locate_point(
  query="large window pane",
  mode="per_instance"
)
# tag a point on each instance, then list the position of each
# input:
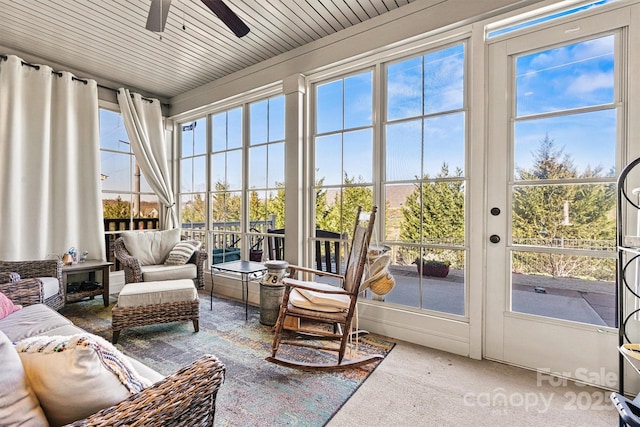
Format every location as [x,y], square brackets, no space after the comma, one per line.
[259,122]
[404,89]
[329,159]
[275,165]
[444,138]
[588,140]
[257,168]
[404,150]
[116,170]
[329,109]
[572,76]
[573,216]
[358,146]
[444,80]
[577,288]
[358,99]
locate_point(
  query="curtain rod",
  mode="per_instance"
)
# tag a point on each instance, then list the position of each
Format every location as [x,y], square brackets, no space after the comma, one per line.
[77,79]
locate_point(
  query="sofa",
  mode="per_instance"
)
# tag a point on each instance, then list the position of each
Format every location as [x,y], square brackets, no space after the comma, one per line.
[186,397]
[153,256]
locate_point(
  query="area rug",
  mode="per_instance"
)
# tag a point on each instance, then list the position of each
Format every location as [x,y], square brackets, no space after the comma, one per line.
[255,392]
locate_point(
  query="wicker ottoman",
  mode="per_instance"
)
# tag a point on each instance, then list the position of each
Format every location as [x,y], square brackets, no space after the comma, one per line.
[148,303]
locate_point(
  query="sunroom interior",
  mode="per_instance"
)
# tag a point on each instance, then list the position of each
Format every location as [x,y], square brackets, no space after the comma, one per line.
[490,135]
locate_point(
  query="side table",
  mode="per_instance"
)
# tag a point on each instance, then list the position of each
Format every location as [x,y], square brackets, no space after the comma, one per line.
[90,266]
[247,269]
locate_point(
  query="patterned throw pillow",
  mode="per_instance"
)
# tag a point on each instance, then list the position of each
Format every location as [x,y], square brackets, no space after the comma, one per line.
[182,252]
[76,376]
[7,306]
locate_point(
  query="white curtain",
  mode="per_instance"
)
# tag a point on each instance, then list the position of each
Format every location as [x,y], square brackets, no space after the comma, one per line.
[49,163]
[143,121]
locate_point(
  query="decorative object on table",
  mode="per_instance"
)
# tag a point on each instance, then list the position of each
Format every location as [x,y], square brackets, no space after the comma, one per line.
[70,257]
[271,291]
[84,256]
[432,267]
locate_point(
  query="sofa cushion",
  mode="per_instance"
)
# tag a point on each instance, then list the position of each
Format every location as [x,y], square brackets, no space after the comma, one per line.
[148,293]
[37,319]
[50,286]
[182,252]
[150,247]
[76,376]
[18,402]
[7,306]
[156,273]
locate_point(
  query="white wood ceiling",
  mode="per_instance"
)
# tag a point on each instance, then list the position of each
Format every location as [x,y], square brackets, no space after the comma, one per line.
[107,39]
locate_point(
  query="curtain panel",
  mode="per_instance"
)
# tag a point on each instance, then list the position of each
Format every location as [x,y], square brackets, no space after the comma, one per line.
[49,163]
[143,121]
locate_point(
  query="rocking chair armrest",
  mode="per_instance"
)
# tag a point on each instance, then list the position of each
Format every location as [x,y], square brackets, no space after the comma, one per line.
[186,397]
[295,268]
[291,284]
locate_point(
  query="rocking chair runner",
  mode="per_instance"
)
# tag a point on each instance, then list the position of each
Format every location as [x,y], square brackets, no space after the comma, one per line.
[326,304]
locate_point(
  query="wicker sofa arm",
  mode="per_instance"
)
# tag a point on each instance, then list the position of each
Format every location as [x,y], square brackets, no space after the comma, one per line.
[35,268]
[24,292]
[9,277]
[185,398]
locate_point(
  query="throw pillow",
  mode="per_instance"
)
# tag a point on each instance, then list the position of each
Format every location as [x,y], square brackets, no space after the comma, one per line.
[18,402]
[76,376]
[7,306]
[182,252]
[150,247]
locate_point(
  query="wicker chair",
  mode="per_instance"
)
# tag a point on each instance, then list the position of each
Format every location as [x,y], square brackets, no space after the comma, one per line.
[185,398]
[133,271]
[14,271]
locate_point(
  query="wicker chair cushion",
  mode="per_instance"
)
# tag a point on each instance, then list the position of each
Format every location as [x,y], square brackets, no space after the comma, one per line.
[76,376]
[18,402]
[182,252]
[148,293]
[157,273]
[7,306]
[50,286]
[150,247]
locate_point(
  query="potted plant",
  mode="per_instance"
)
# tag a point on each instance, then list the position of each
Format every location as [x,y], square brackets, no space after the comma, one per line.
[431,267]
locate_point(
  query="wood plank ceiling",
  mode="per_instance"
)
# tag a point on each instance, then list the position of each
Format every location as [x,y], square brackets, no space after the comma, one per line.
[107,40]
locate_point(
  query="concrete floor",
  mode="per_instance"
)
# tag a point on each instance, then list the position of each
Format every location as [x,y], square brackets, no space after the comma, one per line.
[418,386]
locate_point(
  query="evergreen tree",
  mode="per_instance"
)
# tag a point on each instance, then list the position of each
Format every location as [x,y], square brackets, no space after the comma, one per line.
[561,215]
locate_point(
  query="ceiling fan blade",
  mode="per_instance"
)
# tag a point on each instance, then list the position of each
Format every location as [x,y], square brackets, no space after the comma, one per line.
[157,17]
[227,16]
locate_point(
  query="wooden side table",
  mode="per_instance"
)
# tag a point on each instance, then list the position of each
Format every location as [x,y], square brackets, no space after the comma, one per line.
[90,266]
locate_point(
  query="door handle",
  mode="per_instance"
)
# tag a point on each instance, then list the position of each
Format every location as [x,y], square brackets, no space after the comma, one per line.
[494,238]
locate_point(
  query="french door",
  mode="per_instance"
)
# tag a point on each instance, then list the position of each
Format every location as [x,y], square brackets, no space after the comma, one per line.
[556,114]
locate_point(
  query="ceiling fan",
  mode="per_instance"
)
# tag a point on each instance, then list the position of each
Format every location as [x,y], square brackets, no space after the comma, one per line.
[160,9]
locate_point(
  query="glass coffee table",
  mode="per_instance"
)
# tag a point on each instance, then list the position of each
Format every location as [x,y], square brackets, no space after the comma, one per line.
[248,270]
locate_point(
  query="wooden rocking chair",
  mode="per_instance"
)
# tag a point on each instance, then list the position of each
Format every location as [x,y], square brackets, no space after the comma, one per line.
[325,304]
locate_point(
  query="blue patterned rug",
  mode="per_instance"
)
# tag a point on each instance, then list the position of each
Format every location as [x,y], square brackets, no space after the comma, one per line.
[255,392]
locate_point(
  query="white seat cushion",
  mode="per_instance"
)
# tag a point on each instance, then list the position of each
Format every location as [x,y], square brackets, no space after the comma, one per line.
[51,286]
[147,293]
[318,301]
[156,273]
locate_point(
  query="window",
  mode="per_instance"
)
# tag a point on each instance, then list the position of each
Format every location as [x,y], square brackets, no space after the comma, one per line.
[343,147]
[424,181]
[193,178]
[421,168]
[239,210]
[127,200]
